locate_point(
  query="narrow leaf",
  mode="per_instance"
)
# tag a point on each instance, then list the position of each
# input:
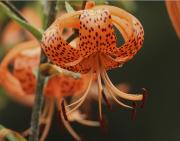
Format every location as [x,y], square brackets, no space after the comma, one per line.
[11,135]
[37,33]
[69,8]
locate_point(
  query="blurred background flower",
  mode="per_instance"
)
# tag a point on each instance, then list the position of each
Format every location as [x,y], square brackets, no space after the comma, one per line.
[173,8]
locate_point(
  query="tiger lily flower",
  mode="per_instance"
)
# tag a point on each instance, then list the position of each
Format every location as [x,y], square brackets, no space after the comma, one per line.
[96,49]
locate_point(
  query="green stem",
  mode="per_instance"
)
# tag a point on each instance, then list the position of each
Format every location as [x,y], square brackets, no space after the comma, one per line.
[34,135]
[13,8]
[51,15]
[14,14]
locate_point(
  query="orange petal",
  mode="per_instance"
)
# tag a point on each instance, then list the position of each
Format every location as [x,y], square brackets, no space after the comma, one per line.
[96,32]
[132,30]
[61,85]
[16,88]
[53,44]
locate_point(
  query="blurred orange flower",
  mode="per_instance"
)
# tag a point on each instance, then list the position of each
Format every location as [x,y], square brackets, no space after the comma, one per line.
[18,89]
[173,8]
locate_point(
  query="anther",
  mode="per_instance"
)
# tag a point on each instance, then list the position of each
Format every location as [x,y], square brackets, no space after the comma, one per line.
[145,94]
[106,100]
[64,110]
[103,125]
[42,126]
[134,111]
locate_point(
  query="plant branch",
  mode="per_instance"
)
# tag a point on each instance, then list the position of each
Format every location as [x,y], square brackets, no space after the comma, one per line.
[13,9]
[34,135]
[14,14]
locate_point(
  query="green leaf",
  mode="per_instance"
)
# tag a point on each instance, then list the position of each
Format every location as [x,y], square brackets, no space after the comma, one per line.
[19,137]
[12,136]
[37,33]
[3,99]
[69,8]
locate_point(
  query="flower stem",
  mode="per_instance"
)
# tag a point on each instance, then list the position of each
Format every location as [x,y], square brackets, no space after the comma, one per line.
[14,9]
[34,135]
[14,14]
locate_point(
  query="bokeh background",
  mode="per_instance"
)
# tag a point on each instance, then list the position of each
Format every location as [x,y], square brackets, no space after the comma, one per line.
[156,67]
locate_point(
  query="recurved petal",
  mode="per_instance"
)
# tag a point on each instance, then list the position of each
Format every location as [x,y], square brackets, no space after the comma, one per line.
[110,63]
[133,44]
[96,32]
[131,30]
[55,46]
[27,80]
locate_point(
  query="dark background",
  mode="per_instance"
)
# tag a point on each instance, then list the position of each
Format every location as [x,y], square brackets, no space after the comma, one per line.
[156,67]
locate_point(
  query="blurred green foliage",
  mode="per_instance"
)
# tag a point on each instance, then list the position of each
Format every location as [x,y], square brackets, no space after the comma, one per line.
[69,8]
[12,136]
[3,98]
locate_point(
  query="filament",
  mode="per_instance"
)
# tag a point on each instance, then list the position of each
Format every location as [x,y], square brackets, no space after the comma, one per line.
[70,129]
[63,110]
[118,101]
[119,93]
[68,126]
[81,100]
[88,122]
[48,119]
[99,94]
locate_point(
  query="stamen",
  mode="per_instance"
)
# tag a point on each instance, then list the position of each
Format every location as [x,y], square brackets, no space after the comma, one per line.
[82,99]
[115,99]
[63,110]
[45,108]
[70,129]
[106,100]
[134,112]
[45,119]
[103,125]
[48,119]
[145,95]
[42,127]
[79,100]
[88,122]
[99,91]
[119,93]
